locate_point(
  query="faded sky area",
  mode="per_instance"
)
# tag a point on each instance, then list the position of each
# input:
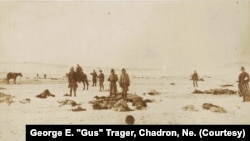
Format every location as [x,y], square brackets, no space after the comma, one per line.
[126,34]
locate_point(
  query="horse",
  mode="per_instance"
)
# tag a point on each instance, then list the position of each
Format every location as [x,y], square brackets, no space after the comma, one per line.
[13,75]
[83,78]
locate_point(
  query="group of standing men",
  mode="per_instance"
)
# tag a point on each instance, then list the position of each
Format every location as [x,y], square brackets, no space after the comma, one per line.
[101,77]
[78,75]
[124,83]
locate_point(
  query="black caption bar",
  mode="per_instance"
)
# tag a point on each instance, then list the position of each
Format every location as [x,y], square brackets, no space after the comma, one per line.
[132,132]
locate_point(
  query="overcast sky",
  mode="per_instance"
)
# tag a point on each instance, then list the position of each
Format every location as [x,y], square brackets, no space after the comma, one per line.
[126,34]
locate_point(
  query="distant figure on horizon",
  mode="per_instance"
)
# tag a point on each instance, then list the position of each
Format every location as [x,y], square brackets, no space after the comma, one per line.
[195,78]
[94,78]
[243,85]
[101,80]
[113,78]
[45,76]
[37,76]
[124,83]
[72,79]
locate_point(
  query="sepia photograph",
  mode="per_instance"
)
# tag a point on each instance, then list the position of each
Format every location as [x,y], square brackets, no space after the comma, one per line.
[167,62]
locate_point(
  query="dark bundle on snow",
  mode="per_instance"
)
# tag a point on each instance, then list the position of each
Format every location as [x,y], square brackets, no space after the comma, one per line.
[73,104]
[213,108]
[67,102]
[153,92]
[66,94]
[189,108]
[121,106]
[78,109]
[215,91]
[6,98]
[139,103]
[46,93]
[24,101]
[227,85]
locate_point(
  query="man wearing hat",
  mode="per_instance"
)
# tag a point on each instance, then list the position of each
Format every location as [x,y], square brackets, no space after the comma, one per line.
[72,79]
[124,83]
[94,78]
[195,78]
[243,85]
[101,80]
[113,79]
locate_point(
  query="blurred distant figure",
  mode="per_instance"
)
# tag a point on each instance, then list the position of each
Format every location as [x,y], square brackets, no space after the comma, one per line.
[101,80]
[124,83]
[113,78]
[45,76]
[94,78]
[243,85]
[37,76]
[78,71]
[72,79]
[195,78]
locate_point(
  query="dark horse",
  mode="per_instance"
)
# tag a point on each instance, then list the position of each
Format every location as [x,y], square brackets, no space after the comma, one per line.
[13,75]
[82,77]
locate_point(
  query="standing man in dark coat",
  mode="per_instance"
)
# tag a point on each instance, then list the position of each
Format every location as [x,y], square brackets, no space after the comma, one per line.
[195,78]
[113,78]
[124,83]
[101,80]
[94,78]
[243,85]
[72,79]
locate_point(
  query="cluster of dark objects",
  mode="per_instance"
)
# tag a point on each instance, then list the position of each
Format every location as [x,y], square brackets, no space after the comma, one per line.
[118,103]
[215,91]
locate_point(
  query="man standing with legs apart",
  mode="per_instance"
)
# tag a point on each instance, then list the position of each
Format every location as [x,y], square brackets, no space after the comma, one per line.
[195,78]
[113,79]
[124,83]
[72,79]
[101,80]
[94,78]
[243,85]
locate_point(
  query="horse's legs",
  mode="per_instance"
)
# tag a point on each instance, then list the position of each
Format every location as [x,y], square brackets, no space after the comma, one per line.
[83,85]
[102,86]
[74,92]
[74,89]
[70,91]
[87,84]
